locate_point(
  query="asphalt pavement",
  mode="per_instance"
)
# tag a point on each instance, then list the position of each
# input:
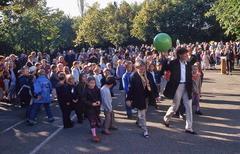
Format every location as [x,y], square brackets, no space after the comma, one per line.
[218,128]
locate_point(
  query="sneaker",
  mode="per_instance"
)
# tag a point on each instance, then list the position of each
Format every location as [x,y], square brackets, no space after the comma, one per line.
[181,116]
[190,132]
[145,134]
[165,123]
[106,132]
[96,139]
[32,122]
[134,111]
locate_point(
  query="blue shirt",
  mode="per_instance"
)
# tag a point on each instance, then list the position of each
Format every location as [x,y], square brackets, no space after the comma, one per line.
[125,81]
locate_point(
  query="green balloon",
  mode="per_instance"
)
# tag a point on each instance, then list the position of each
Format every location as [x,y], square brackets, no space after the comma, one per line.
[162,42]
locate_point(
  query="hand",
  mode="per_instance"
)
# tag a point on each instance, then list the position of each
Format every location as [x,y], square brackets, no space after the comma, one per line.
[96,104]
[75,100]
[68,103]
[129,103]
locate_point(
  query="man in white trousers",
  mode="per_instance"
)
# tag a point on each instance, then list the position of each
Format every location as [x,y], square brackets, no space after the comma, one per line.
[179,87]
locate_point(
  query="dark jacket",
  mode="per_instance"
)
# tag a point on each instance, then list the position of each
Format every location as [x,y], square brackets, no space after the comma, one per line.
[138,94]
[91,96]
[158,76]
[172,85]
[63,94]
[81,87]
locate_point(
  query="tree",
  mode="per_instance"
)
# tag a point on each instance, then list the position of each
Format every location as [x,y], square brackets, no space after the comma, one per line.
[227,14]
[36,28]
[66,31]
[90,28]
[118,22]
[182,19]
[146,24]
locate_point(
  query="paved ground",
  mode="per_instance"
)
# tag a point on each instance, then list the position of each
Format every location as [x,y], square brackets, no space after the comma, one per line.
[218,129]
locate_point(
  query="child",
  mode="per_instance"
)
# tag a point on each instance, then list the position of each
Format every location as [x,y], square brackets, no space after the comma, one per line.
[42,91]
[75,103]
[125,80]
[98,76]
[92,100]
[76,71]
[2,74]
[12,86]
[64,100]
[119,73]
[54,80]
[107,105]
[81,86]
[24,91]
[196,77]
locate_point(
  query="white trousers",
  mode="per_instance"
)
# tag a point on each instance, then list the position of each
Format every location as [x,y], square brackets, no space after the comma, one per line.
[181,93]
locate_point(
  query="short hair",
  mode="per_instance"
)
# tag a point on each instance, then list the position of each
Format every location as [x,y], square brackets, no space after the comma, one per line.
[110,80]
[127,63]
[61,76]
[53,67]
[24,68]
[181,51]
[106,69]
[75,63]
[139,62]
[91,78]
[2,57]
[41,72]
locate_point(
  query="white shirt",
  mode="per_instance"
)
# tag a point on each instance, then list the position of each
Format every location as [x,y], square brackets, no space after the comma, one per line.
[183,72]
[76,73]
[153,74]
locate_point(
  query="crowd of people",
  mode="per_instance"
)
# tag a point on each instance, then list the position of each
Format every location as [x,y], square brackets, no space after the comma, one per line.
[83,81]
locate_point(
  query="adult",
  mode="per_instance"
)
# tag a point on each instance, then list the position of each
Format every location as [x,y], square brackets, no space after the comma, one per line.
[179,87]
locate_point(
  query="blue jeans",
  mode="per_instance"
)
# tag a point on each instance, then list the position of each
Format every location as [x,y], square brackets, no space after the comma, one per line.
[35,108]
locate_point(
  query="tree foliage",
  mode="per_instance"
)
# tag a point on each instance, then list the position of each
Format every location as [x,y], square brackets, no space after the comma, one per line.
[183,19]
[27,25]
[227,13]
[91,27]
[35,28]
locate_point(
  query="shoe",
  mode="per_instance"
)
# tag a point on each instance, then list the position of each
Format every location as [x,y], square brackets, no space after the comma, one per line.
[145,134]
[181,116]
[166,124]
[134,111]
[113,128]
[198,113]
[106,132]
[96,139]
[32,122]
[69,126]
[190,132]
